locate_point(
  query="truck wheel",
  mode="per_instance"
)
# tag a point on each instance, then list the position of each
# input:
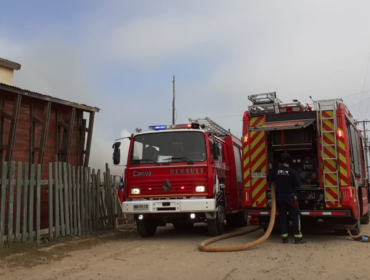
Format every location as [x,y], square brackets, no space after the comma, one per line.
[365,219]
[146,228]
[216,226]
[356,230]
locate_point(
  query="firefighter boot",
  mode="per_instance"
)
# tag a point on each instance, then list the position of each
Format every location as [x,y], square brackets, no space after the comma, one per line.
[285,240]
[299,241]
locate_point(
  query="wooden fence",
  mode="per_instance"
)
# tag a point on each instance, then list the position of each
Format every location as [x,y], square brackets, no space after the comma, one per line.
[72,201]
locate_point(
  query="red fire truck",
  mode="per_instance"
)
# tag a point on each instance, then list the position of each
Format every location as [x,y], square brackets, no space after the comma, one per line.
[328,153]
[183,174]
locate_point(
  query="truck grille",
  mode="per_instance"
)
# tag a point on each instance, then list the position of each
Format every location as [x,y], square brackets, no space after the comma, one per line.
[175,188]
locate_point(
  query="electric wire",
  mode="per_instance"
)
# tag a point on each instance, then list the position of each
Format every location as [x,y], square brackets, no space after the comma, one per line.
[363,87]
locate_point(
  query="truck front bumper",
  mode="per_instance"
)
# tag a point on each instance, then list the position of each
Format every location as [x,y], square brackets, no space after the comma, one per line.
[169,206]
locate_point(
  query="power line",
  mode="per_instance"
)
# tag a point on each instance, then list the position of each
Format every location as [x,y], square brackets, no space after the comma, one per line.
[355,93]
[358,103]
[363,86]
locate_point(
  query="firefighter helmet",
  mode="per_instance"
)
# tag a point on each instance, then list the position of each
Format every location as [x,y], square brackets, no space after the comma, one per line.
[285,158]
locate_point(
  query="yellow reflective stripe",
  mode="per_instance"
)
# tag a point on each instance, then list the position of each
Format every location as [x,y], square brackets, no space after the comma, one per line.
[257,152]
[329,149]
[330,136]
[257,139]
[341,145]
[246,149]
[328,123]
[246,173]
[330,162]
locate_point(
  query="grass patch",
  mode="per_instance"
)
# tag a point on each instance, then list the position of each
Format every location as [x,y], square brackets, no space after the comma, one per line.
[28,254]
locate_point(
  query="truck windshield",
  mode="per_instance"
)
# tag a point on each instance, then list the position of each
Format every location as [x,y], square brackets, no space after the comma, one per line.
[167,147]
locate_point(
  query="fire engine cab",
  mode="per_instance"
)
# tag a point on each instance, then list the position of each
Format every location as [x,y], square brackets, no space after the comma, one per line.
[328,153]
[183,174]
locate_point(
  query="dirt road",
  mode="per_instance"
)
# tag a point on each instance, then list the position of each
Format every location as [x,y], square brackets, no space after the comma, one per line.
[173,254]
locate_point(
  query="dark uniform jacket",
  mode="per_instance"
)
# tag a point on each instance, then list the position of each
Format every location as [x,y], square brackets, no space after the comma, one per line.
[285,178]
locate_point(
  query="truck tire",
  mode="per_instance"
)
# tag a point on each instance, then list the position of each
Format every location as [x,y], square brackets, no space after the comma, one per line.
[356,230]
[146,228]
[216,226]
[365,219]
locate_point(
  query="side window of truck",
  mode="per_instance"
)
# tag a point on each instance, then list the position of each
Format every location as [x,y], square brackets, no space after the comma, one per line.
[211,148]
[238,164]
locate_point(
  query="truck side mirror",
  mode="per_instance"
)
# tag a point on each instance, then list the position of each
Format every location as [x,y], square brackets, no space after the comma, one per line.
[116,153]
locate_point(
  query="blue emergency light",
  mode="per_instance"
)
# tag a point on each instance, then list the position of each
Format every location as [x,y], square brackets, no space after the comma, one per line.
[176,126]
[158,127]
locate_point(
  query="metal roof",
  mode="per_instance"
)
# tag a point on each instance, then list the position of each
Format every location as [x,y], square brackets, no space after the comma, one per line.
[47,98]
[9,64]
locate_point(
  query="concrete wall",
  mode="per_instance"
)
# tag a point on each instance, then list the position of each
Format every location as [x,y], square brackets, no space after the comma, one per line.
[6,76]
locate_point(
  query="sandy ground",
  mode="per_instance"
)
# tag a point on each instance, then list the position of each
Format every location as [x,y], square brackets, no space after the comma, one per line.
[173,254]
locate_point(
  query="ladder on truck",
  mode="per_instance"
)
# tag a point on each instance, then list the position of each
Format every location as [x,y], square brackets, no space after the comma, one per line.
[327,125]
[213,128]
[263,103]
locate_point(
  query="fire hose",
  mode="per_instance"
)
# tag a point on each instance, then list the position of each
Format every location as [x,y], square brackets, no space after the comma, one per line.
[203,246]
[363,238]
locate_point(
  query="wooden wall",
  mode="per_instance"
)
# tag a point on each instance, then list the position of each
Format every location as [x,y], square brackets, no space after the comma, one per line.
[38,131]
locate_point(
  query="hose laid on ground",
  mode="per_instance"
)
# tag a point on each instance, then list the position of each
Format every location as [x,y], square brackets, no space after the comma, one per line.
[203,246]
[363,238]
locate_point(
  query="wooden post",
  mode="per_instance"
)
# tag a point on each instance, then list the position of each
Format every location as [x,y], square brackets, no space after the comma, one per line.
[89,138]
[82,183]
[56,199]
[25,200]
[3,195]
[79,201]
[11,202]
[109,196]
[31,201]
[93,179]
[97,192]
[50,188]
[70,197]
[61,204]
[44,133]
[19,200]
[66,198]
[89,197]
[75,231]
[38,203]
[86,200]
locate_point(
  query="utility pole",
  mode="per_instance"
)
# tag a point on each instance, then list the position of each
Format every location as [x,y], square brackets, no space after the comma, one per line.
[173,101]
[364,131]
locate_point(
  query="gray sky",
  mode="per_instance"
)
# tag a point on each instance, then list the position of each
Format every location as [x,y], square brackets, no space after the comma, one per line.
[120,56]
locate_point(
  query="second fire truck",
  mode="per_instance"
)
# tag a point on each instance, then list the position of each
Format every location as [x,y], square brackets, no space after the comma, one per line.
[328,153]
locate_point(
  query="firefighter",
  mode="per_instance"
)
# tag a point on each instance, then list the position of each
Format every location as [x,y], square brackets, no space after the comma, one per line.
[287,180]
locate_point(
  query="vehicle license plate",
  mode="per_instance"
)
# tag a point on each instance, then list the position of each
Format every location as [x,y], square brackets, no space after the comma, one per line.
[138,207]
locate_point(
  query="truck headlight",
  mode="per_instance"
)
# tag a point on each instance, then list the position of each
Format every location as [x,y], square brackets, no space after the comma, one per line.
[200,189]
[135,191]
